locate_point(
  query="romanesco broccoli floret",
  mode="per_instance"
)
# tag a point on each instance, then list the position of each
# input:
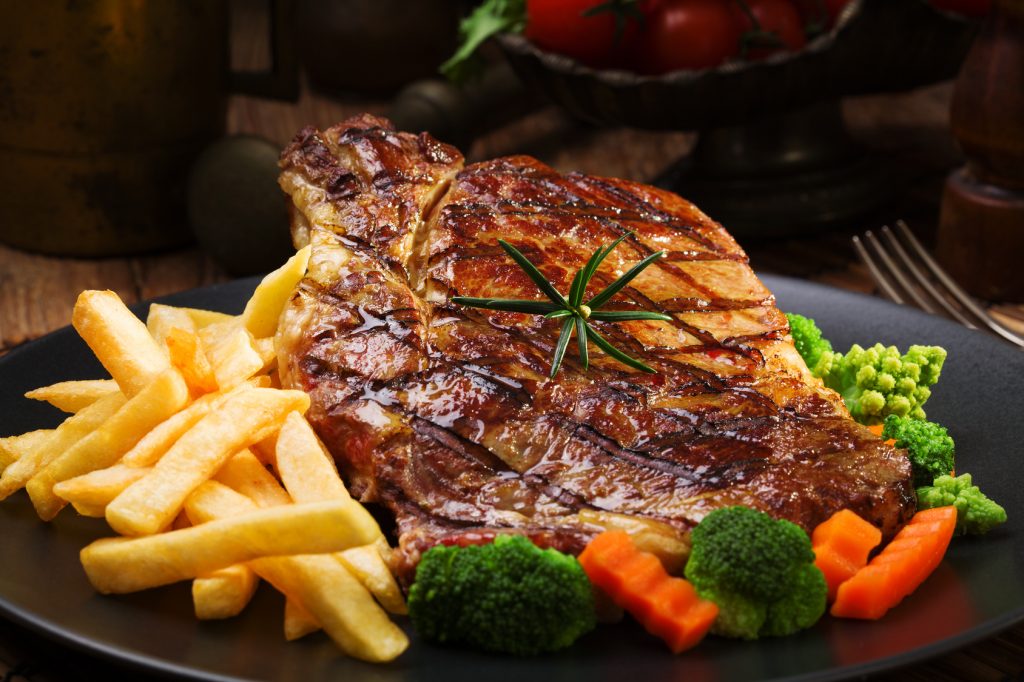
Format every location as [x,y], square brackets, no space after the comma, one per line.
[929,446]
[508,596]
[976,514]
[877,381]
[758,570]
[807,338]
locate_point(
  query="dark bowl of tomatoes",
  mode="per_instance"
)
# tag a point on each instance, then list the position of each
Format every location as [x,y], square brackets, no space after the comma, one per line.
[869,46]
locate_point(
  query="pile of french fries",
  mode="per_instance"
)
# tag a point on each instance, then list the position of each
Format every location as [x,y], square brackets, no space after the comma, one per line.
[208,471]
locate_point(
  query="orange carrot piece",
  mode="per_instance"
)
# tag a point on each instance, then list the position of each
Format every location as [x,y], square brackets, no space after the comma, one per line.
[667,607]
[899,568]
[841,546]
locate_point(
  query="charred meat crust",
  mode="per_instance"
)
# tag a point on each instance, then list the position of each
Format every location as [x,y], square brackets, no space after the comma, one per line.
[445,414]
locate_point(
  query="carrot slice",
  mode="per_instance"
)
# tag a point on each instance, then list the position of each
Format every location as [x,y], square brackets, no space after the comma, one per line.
[667,607]
[898,569]
[841,546]
[877,430]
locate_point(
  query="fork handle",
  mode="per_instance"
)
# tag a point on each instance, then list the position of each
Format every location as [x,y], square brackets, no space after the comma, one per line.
[981,227]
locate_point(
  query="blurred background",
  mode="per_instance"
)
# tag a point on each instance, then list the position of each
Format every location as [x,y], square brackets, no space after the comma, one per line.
[139,138]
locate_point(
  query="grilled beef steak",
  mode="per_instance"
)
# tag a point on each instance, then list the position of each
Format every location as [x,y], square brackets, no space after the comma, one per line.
[446,415]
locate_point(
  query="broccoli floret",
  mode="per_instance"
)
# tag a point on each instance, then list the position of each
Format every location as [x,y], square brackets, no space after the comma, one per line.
[508,596]
[928,445]
[758,570]
[976,514]
[807,338]
[876,382]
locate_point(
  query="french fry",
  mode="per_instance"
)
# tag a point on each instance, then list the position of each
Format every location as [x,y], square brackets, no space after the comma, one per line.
[75,428]
[228,345]
[224,592]
[204,318]
[309,475]
[95,512]
[331,595]
[119,340]
[120,565]
[72,396]
[102,448]
[248,416]
[246,474]
[306,470]
[12,447]
[368,566]
[298,622]
[263,309]
[154,444]
[163,318]
[187,355]
[96,489]
[266,349]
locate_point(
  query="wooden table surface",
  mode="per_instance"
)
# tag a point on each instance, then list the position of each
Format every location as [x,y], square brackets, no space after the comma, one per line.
[37,292]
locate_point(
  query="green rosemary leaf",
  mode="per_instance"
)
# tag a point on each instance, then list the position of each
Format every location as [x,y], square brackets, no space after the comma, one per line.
[611,350]
[595,261]
[536,275]
[576,289]
[624,315]
[616,286]
[581,341]
[561,312]
[507,304]
[563,343]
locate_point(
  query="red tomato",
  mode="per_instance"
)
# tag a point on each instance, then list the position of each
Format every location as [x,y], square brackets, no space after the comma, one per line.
[563,26]
[688,34]
[779,27]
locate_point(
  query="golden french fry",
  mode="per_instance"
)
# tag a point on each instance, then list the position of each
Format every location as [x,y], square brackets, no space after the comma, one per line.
[229,347]
[12,447]
[181,521]
[246,417]
[246,474]
[298,622]
[305,468]
[266,349]
[309,474]
[46,449]
[102,448]
[119,565]
[96,489]
[224,592]
[163,318]
[72,396]
[263,309]
[334,598]
[187,355]
[119,340]
[367,565]
[154,444]
[84,509]
[204,318]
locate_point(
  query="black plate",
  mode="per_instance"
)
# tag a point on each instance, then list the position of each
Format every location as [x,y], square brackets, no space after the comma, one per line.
[978,590]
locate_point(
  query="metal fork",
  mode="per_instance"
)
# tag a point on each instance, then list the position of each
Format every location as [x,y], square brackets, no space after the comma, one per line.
[906,272]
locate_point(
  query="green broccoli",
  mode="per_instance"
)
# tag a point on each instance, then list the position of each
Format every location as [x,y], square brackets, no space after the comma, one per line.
[929,446]
[807,338]
[508,596]
[976,514]
[758,570]
[876,382]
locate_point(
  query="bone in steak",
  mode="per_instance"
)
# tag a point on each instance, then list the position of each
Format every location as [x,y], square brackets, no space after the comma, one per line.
[445,414]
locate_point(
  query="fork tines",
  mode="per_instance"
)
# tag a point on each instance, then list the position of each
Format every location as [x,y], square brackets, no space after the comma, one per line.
[907,274]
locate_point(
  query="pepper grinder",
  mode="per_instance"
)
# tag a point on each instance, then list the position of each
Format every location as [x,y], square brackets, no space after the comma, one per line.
[981,226]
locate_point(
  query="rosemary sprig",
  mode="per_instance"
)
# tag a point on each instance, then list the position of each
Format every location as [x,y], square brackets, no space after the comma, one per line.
[574,313]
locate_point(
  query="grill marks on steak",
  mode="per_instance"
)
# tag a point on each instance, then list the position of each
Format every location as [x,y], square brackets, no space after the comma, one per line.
[445,413]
